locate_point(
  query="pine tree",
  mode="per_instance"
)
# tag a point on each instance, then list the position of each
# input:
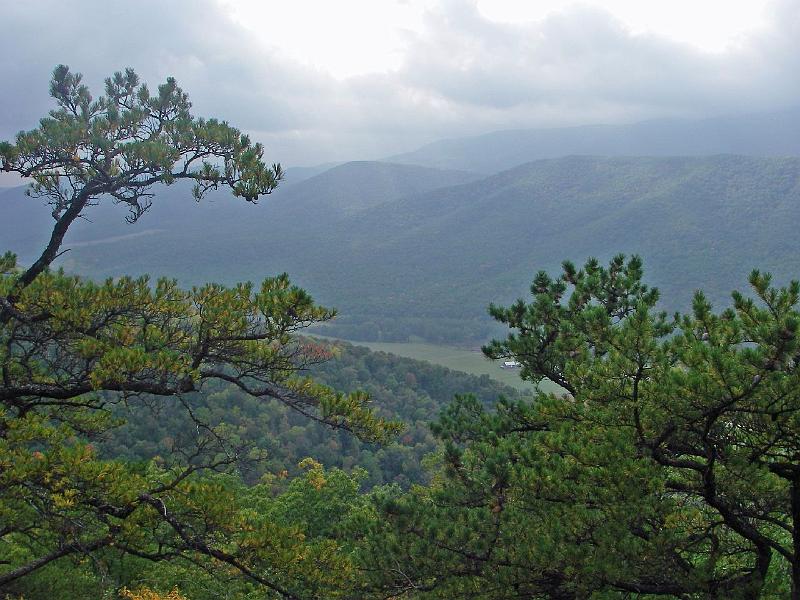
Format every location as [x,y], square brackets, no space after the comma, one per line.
[669,465]
[71,348]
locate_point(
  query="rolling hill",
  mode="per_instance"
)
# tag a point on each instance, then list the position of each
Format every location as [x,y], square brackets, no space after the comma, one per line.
[403,262]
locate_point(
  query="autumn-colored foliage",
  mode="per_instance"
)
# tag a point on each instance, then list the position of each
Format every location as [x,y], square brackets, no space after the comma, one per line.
[145,593]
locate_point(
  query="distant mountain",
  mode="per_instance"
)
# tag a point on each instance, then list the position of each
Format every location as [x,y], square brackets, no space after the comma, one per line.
[765,134]
[699,223]
[357,185]
[428,263]
[26,222]
[221,238]
[294,175]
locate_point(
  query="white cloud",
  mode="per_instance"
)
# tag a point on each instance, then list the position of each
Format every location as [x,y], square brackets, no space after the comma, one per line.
[710,25]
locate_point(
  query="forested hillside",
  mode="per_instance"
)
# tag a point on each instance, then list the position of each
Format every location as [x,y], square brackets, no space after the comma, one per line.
[400,388]
[398,264]
[303,202]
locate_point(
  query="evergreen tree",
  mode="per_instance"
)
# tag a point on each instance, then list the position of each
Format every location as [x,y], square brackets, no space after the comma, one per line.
[670,465]
[71,348]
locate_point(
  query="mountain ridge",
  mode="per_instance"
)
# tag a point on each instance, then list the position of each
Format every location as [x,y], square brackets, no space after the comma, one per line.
[426,264]
[774,133]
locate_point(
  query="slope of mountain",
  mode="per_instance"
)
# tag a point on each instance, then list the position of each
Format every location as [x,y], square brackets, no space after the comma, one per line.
[702,213]
[411,391]
[294,175]
[427,264]
[26,222]
[764,134]
[357,185]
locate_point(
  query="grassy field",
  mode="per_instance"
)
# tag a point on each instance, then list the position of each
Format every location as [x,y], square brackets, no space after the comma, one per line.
[458,359]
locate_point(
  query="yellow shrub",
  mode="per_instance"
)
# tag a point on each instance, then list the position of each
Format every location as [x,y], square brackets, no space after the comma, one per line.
[148,594]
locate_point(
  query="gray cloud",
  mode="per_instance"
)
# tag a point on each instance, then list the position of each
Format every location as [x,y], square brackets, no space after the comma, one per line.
[463,74]
[222,67]
[584,60]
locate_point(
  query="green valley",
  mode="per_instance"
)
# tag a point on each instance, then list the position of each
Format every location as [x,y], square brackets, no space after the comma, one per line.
[457,359]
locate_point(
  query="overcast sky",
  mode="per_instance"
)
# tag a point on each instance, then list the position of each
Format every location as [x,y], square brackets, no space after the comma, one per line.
[323,80]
